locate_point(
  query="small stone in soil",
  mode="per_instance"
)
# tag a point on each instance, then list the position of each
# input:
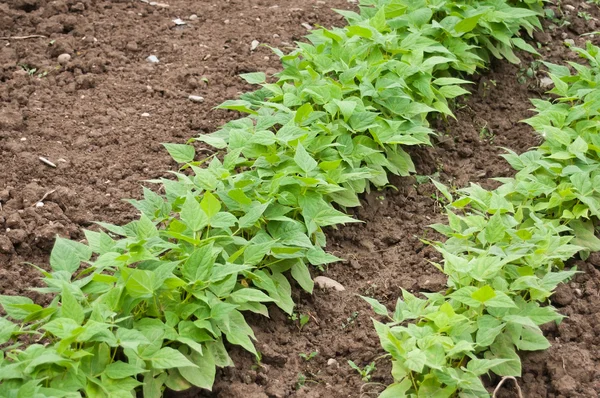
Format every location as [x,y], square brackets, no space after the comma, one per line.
[153,59]
[63,59]
[569,42]
[254,45]
[332,362]
[546,82]
[193,17]
[145,114]
[196,98]
[324,282]
[178,21]
[306,25]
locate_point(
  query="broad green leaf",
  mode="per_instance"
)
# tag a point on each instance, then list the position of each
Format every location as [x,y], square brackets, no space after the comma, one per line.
[70,307]
[379,308]
[181,153]
[495,229]
[304,160]
[192,214]
[199,266]
[247,294]
[210,204]
[167,358]
[67,255]
[254,77]
[203,374]
[301,274]
[120,369]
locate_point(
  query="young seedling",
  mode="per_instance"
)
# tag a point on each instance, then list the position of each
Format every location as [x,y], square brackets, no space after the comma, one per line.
[365,373]
[308,357]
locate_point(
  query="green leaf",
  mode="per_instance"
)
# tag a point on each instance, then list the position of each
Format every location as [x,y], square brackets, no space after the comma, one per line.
[181,153]
[484,294]
[254,253]
[301,274]
[304,160]
[120,369]
[468,24]
[199,266]
[203,375]
[6,330]
[167,358]
[13,306]
[495,229]
[443,189]
[240,333]
[70,307]
[303,113]
[247,294]
[67,255]
[415,360]
[138,283]
[254,78]
[238,105]
[379,308]
[192,214]
[210,204]
[252,216]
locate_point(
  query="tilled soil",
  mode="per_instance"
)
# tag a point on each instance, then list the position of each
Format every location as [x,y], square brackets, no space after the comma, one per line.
[102,117]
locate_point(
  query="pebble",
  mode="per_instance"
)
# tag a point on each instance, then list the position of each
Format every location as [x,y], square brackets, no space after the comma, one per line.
[64,59]
[546,82]
[39,204]
[327,283]
[179,21]
[153,59]
[569,7]
[193,17]
[306,25]
[196,98]
[145,114]
[569,42]
[254,45]
[332,362]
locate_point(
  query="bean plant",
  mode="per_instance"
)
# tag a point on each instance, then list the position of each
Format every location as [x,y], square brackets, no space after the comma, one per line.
[505,253]
[154,304]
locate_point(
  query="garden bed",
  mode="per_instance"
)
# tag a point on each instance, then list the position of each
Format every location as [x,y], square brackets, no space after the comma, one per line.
[101,120]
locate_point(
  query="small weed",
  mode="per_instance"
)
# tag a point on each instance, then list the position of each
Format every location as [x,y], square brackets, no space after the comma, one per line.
[365,373]
[585,15]
[301,318]
[308,357]
[350,320]
[30,71]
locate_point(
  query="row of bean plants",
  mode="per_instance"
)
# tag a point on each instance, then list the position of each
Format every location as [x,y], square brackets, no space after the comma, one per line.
[150,304]
[505,252]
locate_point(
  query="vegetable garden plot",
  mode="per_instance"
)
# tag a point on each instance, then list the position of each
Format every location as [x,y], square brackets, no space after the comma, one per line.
[208,208]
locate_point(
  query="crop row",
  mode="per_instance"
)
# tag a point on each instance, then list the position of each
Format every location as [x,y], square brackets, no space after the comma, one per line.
[505,252]
[151,303]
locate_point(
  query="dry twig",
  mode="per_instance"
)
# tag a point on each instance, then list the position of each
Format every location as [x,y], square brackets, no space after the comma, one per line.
[22,37]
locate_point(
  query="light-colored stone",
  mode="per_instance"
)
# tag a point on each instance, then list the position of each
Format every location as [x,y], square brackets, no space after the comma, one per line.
[546,82]
[196,98]
[64,59]
[327,283]
[254,45]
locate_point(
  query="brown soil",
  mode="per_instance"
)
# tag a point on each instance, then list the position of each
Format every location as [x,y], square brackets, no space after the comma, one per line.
[88,117]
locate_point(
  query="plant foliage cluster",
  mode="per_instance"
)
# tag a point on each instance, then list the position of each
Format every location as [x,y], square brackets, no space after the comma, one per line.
[151,304]
[505,252]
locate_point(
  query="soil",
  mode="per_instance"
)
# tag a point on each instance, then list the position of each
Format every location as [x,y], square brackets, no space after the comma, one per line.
[101,119]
